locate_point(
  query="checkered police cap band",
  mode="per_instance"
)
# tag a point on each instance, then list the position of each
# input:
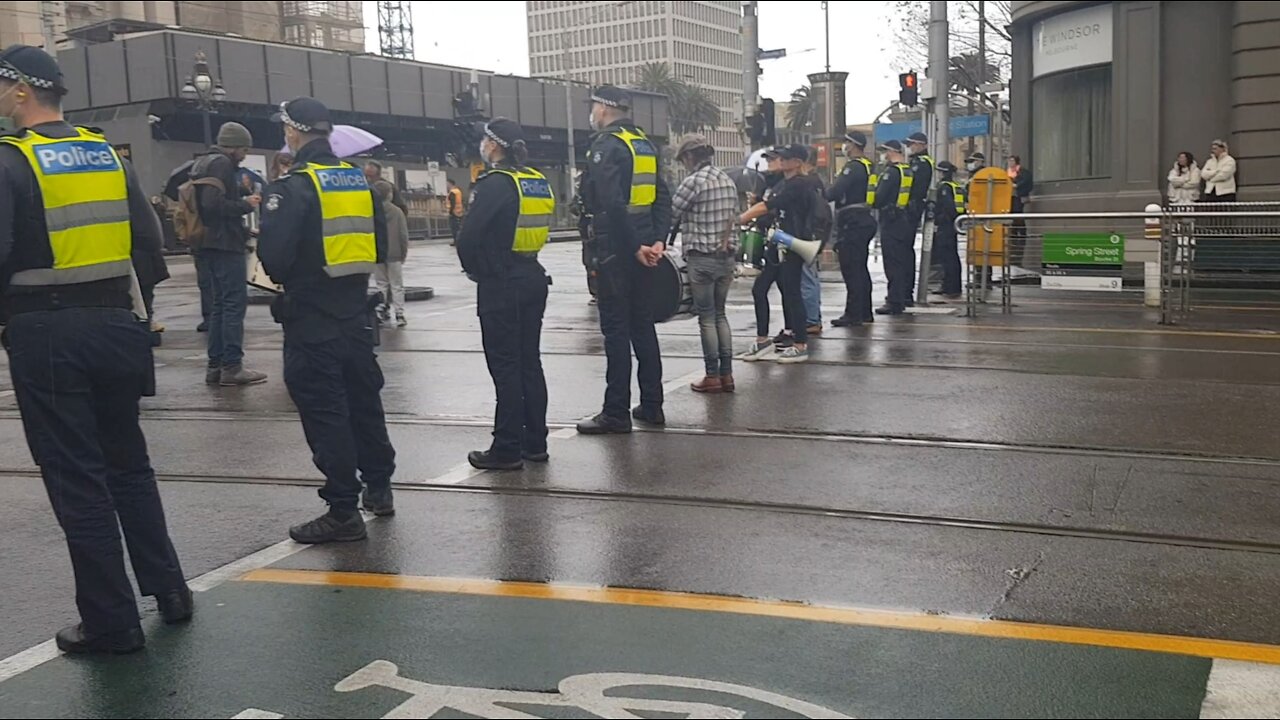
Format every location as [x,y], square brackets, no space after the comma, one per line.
[284,118]
[9,72]
[489,133]
[602,101]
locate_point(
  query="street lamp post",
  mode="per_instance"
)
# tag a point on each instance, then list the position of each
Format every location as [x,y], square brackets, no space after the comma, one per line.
[206,93]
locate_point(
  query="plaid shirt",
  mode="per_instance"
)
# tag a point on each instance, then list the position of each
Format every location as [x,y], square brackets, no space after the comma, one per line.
[706,205]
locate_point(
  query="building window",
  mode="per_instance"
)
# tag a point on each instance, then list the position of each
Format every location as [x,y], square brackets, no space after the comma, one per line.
[1071,125]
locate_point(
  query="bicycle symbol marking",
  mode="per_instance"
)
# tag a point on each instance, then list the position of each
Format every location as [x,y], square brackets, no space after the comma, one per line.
[584,692]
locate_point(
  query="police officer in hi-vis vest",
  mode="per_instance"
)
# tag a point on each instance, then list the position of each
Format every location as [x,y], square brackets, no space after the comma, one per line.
[72,215]
[322,232]
[946,242]
[510,219]
[897,226]
[854,194]
[630,206]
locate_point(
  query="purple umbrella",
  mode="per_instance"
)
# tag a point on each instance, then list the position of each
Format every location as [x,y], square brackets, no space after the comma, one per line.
[348,140]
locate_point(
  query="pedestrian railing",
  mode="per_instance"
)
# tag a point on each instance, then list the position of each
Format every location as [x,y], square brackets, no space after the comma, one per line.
[1224,256]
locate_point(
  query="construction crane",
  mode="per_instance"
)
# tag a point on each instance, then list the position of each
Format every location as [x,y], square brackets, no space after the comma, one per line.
[395,29]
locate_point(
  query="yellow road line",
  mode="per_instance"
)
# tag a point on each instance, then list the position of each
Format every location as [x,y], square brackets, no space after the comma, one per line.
[1198,647]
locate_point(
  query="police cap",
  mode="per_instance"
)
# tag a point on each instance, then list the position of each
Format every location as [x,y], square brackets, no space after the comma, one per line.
[856,138]
[947,166]
[505,132]
[918,137]
[33,66]
[306,115]
[614,97]
[978,156]
[893,145]
[795,151]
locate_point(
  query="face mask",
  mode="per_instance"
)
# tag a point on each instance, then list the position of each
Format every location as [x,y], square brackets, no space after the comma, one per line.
[884,158]
[591,122]
[8,114]
[971,167]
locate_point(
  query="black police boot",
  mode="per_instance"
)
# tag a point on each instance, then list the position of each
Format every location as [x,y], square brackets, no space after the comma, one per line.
[176,606]
[649,415]
[213,376]
[333,526]
[846,321]
[378,502]
[605,425]
[75,641]
[486,460]
[890,310]
[537,457]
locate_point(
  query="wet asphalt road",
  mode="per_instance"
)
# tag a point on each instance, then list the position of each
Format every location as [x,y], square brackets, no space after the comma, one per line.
[1070,464]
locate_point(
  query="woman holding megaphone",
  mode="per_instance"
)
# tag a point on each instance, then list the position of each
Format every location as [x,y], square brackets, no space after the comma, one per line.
[791,205]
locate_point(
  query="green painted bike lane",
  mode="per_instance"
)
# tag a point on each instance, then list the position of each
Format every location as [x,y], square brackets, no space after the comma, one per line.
[285,650]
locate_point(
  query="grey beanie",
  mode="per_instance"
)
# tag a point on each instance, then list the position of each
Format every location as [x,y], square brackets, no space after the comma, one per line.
[234,135]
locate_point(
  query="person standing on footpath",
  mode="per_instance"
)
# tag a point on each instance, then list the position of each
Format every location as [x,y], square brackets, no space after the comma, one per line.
[854,194]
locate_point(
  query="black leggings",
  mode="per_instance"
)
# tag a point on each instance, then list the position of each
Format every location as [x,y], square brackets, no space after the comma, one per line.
[788,275]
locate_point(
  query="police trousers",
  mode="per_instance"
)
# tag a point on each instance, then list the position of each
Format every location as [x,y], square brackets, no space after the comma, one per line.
[853,246]
[511,311]
[625,293]
[946,252]
[78,374]
[333,377]
[898,241]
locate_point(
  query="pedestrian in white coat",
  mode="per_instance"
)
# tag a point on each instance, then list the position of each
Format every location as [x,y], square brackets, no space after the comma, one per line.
[1219,173]
[1184,180]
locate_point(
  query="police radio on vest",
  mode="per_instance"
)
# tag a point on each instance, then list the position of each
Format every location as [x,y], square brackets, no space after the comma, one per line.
[75,157]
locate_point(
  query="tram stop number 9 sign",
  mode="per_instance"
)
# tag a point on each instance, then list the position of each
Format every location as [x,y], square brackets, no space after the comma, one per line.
[1083,261]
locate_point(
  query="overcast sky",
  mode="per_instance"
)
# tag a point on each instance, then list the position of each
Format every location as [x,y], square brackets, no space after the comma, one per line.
[494,36]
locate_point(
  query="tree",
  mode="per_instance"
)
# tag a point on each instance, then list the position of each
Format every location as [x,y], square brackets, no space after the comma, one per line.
[691,108]
[800,113]
[911,40]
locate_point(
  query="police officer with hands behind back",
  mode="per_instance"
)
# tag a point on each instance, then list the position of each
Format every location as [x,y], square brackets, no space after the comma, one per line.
[72,215]
[510,220]
[946,242]
[922,165]
[854,194]
[631,214]
[322,232]
[897,226]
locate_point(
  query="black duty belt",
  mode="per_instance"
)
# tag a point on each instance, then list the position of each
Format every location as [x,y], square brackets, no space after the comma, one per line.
[19,303]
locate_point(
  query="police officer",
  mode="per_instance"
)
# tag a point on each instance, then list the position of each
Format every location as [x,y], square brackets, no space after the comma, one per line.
[631,213]
[322,232]
[511,210]
[922,165]
[72,214]
[897,226]
[946,248]
[854,194]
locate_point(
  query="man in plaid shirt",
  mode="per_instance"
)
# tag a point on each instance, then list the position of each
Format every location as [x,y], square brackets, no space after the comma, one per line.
[704,207]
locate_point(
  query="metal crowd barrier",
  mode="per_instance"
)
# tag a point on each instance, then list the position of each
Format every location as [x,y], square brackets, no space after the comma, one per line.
[1221,256]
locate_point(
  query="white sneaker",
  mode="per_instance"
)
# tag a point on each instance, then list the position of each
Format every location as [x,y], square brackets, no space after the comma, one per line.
[757,351]
[793,354]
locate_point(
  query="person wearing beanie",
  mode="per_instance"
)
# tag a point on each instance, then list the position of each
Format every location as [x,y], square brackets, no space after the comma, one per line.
[221,253]
[323,234]
[74,224]
[508,223]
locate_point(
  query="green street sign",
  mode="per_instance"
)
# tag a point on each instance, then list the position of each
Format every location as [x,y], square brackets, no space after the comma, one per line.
[1083,249]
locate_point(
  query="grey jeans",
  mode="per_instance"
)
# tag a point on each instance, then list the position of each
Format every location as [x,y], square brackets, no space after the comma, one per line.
[709,278]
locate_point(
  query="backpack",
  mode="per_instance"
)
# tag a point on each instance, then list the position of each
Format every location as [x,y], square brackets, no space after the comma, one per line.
[187,225]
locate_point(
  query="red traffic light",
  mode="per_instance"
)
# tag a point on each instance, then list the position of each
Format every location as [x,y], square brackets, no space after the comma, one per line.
[908,80]
[908,93]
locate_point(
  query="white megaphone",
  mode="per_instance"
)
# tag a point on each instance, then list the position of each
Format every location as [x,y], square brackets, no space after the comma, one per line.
[807,250]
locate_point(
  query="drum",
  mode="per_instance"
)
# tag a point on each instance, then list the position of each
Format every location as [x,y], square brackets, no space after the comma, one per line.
[672,294]
[752,248]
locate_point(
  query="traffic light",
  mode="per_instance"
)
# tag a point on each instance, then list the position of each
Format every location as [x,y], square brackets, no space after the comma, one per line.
[909,89]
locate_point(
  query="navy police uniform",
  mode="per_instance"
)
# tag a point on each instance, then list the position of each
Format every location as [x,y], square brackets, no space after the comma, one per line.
[321,234]
[897,230]
[510,220]
[630,206]
[922,166]
[72,219]
[854,194]
[946,243]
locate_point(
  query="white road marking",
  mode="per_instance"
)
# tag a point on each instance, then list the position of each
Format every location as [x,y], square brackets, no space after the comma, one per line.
[1242,690]
[256,714]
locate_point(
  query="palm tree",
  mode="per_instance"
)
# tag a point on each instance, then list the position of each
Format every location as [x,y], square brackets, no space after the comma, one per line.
[691,108]
[800,112]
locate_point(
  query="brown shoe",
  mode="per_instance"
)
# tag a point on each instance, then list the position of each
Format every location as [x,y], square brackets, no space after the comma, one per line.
[815,329]
[708,384]
[726,383]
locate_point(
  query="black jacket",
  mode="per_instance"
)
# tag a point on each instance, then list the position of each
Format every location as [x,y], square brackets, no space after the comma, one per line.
[291,244]
[921,178]
[607,192]
[222,213]
[24,237]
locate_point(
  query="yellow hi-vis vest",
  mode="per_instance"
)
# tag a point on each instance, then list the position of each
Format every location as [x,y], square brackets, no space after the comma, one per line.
[86,207]
[537,208]
[958,190]
[873,180]
[346,211]
[644,170]
[904,187]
